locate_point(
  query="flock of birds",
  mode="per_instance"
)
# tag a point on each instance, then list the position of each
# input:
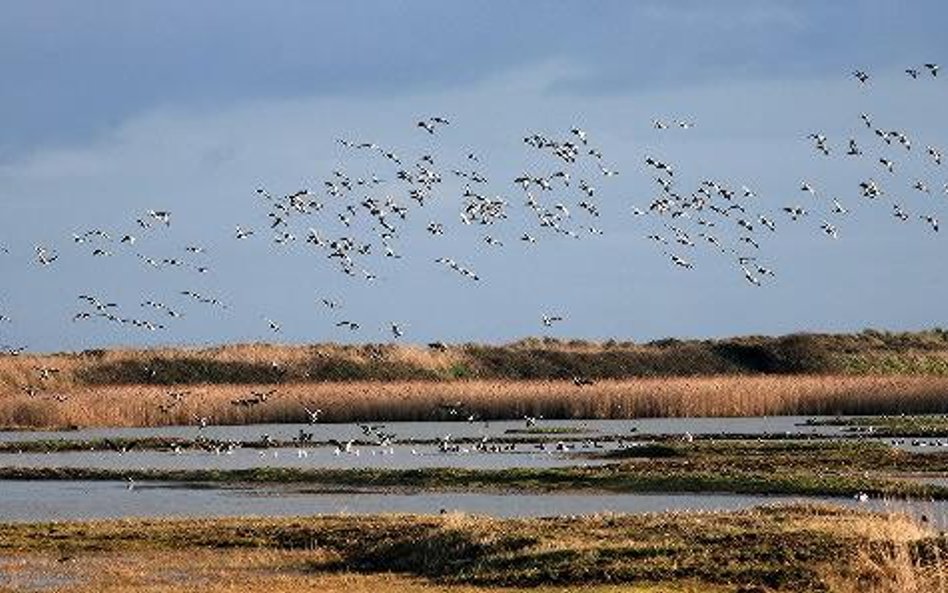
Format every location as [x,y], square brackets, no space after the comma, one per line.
[356,221]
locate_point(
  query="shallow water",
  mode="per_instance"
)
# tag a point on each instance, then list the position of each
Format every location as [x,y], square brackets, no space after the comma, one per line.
[406,431]
[394,457]
[76,500]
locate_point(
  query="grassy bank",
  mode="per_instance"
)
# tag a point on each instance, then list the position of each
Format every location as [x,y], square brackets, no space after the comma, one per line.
[869,352]
[867,373]
[774,549]
[746,467]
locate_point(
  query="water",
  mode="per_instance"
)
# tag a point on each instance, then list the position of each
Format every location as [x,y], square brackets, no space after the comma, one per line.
[65,500]
[406,431]
[27,501]
[394,457]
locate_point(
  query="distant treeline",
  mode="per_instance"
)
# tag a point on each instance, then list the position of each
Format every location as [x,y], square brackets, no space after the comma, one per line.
[869,352]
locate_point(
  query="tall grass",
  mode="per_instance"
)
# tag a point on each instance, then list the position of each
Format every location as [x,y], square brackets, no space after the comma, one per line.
[530,359]
[868,373]
[148,405]
[801,549]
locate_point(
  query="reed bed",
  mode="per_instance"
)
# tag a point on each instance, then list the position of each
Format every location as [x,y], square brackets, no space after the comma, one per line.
[348,401]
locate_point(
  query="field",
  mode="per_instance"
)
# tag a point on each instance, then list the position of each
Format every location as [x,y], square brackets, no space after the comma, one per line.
[798,548]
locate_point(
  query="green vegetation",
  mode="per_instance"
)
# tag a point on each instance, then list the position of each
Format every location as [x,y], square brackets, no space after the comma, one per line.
[931,426]
[746,467]
[869,352]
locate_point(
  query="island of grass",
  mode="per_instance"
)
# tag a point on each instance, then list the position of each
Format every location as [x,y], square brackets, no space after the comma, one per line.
[901,425]
[818,468]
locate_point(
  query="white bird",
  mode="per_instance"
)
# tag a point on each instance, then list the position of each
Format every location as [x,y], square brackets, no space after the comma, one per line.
[548,320]
[829,229]
[931,220]
[935,154]
[750,277]
[313,414]
[681,262]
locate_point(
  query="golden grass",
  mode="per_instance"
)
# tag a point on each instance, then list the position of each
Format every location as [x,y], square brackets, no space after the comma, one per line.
[248,571]
[803,548]
[147,405]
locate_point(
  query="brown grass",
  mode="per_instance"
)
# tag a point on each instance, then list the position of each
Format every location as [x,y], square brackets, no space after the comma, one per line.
[867,373]
[772,549]
[868,353]
[252,571]
[143,405]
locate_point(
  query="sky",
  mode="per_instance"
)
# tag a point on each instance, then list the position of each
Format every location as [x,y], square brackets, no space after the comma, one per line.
[111,109]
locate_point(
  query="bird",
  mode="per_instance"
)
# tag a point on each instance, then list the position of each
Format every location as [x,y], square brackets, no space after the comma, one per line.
[749,276]
[931,220]
[549,320]
[935,154]
[681,262]
[932,68]
[161,216]
[427,126]
[795,212]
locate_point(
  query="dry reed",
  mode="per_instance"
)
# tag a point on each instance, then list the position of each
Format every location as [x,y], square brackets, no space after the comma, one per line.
[150,405]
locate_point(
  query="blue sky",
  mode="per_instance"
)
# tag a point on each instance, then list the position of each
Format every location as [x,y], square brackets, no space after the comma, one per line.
[112,109]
